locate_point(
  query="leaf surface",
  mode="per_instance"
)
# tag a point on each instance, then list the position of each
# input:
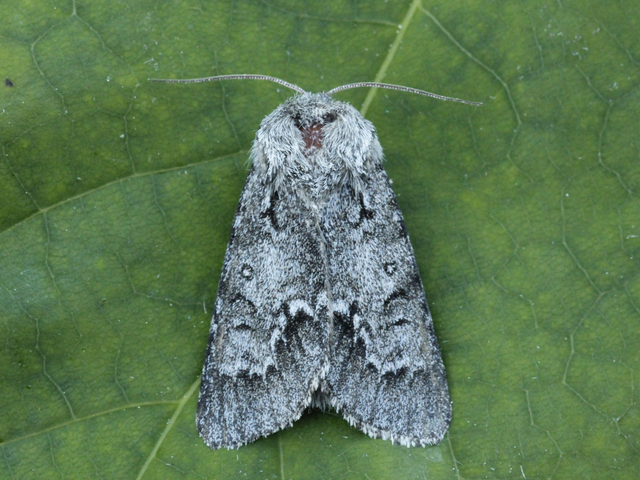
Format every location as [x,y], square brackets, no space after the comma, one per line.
[117,197]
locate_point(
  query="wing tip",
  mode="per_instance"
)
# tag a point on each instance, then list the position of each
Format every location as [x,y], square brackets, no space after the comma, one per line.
[433,435]
[215,437]
[435,427]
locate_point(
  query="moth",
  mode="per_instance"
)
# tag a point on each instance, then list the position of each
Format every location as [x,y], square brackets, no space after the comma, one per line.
[320,302]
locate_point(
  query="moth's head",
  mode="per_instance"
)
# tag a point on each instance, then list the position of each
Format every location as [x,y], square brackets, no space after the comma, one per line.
[314,131]
[314,124]
[312,113]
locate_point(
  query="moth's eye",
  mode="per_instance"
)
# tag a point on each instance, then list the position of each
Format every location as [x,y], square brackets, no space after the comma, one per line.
[329,117]
[297,120]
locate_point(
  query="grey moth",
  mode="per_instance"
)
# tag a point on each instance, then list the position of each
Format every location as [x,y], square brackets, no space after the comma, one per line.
[320,302]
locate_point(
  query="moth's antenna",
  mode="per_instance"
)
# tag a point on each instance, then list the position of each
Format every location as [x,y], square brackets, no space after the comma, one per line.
[402,89]
[231,77]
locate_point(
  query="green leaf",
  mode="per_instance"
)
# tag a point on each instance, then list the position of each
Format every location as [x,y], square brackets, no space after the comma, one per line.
[117,197]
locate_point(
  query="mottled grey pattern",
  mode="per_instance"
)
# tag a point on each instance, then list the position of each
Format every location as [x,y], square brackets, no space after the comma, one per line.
[320,301]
